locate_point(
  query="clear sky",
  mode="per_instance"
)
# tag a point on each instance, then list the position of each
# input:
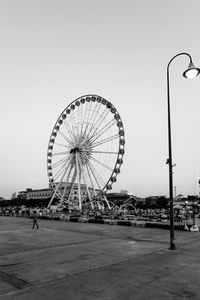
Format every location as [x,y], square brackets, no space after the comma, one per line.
[53,51]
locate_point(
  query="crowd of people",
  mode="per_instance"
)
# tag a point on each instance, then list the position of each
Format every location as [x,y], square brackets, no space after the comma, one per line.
[163,214]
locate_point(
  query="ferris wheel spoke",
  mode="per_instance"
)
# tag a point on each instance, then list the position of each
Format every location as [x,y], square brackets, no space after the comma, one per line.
[96,176]
[64,136]
[56,191]
[116,136]
[102,164]
[104,152]
[59,173]
[67,180]
[77,135]
[60,153]
[77,121]
[92,117]
[62,145]
[101,117]
[69,173]
[61,170]
[98,122]
[72,184]
[69,130]
[81,119]
[86,128]
[95,114]
[84,180]
[98,179]
[102,131]
[90,180]
[85,156]
[59,162]
[79,173]
[73,127]
[84,124]
[90,120]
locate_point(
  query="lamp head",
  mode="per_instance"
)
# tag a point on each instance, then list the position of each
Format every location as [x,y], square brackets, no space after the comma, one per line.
[192,71]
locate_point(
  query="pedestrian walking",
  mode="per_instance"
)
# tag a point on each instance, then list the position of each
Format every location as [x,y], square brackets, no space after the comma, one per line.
[35,223]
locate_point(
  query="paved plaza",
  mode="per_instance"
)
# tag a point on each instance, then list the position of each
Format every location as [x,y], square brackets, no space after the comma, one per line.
[83,261]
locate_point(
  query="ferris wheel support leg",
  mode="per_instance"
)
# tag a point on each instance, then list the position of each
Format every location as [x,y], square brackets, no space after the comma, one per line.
[72,185]
[78,179]
[107,202]
[93,173]
[99,206]
[57,188]
[53,196]
[92,185]
[91,181]
[95,178]
[62,199]
[88,193]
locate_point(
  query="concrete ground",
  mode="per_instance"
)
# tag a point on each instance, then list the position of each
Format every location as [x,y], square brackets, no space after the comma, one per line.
[83,261]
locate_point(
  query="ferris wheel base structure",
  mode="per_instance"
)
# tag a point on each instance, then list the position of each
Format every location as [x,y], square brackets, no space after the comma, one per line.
[85,153]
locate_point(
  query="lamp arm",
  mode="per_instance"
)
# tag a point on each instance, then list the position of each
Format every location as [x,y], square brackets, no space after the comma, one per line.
[182,53]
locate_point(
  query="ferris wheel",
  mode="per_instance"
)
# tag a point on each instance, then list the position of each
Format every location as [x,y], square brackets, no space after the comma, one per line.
[85,151]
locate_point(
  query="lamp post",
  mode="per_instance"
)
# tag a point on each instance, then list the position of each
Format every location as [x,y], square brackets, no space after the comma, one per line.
[190,73]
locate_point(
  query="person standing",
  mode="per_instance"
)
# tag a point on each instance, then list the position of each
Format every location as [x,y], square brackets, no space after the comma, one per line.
[35,223]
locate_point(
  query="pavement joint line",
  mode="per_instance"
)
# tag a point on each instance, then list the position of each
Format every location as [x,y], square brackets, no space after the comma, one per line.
[49,247]
[148,241]
[62,277]
[8,265]
[79,243]
[13,280]
[118,238]
[184,252]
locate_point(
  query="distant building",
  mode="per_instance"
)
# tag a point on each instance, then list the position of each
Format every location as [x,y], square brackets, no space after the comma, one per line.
[39,194]
[22,194]
[124,192]
[156,201]
[47,193]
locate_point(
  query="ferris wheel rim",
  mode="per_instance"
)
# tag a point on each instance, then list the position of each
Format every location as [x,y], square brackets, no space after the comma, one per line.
[119,152]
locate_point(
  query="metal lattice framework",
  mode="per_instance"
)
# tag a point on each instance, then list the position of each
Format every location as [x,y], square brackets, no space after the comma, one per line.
[85,151]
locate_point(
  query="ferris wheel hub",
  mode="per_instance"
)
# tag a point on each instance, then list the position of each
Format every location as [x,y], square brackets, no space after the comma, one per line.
[74,150]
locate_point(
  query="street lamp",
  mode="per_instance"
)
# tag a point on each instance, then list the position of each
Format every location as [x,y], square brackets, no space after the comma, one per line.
[190,73]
